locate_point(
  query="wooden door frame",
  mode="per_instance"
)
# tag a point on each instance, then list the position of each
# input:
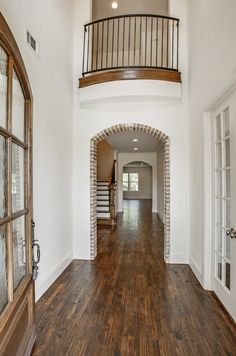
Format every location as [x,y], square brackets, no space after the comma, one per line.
[223,93]
[14,310]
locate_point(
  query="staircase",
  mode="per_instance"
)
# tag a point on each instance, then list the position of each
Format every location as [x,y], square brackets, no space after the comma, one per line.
[104,206]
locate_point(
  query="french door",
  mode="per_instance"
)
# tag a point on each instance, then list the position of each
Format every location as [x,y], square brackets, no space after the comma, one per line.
[17,330]
[224,204]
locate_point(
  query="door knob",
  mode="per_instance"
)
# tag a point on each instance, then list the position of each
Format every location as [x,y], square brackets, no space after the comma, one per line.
[231,233]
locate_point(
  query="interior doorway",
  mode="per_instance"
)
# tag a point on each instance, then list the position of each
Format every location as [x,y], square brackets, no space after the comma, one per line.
[137,181]
[152,133]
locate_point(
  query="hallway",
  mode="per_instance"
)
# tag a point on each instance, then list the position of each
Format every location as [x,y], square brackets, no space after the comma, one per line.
[128,302]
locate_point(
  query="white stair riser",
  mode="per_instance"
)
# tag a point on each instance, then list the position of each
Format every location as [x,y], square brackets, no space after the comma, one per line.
[103,202]
[103,208]
[103,215]
[102,192]
[103,198]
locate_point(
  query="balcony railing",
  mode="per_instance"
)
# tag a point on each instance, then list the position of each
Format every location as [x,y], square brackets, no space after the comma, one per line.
[131,41]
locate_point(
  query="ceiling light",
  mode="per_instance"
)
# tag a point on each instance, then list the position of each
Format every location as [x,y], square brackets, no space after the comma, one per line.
[135,148]
[135,140]
[114,5]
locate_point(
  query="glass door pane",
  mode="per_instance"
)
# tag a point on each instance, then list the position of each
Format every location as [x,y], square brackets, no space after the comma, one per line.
[3,177]
[227,275]
[226,123]
[18,109]
[19,250]
[218,128]
[18,178]
[3,87]
[3,269]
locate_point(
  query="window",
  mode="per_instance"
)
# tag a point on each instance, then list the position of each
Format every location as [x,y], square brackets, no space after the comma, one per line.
[130,182]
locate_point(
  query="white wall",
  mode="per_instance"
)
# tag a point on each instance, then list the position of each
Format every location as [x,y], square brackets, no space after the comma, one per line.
[160,183]
[144,183]
[51,76]
[125,158]
[212,59]
[169,117]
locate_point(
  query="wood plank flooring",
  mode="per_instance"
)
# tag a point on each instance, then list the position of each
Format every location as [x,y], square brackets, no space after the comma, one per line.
[128,302]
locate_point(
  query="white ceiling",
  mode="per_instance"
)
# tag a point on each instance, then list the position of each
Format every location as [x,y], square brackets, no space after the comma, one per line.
[103,9]
[137,165]
[123,142]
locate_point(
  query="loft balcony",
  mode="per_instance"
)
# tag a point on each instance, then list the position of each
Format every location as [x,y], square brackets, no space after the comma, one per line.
[131,47]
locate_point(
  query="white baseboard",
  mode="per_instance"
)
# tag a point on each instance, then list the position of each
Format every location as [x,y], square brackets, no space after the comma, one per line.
[83,255]
[43,287]
[179,259]
[196,269]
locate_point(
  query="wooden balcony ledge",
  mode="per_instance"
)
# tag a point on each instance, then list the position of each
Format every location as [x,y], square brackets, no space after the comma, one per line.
[130,74]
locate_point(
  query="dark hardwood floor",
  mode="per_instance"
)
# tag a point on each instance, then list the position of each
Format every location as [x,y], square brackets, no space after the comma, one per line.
[128,302]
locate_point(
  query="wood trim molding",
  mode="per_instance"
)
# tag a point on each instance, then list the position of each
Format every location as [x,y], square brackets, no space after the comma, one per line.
[130,74]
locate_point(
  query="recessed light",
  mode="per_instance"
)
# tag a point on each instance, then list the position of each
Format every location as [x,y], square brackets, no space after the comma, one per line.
[114,5]
[135,140]
[135,148]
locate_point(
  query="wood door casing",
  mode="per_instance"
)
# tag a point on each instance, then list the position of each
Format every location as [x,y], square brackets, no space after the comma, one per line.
[17,321]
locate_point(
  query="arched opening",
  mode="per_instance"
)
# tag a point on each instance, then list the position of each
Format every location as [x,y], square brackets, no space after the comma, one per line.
[104,135]
[137,181]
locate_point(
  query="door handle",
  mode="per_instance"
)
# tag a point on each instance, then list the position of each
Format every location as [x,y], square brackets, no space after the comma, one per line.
[231,233]
[37,259]
[36,254]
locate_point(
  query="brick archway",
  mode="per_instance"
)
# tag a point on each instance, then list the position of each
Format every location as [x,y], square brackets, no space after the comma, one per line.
[93,180]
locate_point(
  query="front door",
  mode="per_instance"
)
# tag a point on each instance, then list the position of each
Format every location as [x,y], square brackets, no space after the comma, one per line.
[17,329]
[224,203]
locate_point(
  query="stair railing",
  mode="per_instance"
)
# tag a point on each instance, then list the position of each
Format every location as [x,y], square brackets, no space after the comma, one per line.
[131,41]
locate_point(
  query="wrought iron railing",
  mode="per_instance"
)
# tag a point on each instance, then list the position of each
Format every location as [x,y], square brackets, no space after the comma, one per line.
[131,41]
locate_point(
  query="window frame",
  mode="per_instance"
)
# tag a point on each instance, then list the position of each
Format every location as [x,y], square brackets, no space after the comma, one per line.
[129,181]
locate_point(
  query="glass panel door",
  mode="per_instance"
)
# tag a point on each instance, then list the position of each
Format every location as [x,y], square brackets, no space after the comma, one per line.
[224,204]
[14,215]
[222,198]
[17,321]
